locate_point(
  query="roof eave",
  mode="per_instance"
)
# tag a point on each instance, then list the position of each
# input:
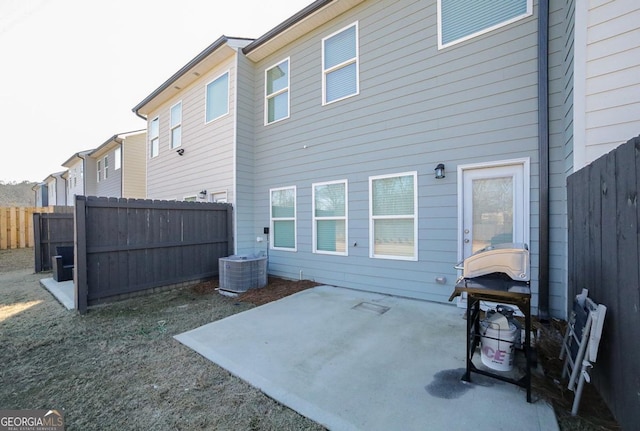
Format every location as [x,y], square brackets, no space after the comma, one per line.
[313,16]
[169,83]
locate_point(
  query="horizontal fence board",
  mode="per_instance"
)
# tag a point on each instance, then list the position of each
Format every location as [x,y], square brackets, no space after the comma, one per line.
[132,245]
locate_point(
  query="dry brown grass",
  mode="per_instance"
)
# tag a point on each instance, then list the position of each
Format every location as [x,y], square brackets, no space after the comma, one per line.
[118,367]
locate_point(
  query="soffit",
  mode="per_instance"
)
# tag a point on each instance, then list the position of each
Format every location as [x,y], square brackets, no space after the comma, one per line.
[298,28]
[175,85]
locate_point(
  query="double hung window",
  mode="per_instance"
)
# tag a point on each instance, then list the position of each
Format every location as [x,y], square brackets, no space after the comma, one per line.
[176,125]
[340,65]
[283,218]
[277,92]
[330,217]
[393,205]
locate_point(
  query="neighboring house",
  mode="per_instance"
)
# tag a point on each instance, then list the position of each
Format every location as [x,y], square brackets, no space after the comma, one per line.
[40,194]
[192,128]
[57,189]
[120,166]
[606,79]
[80,176]
[328,131]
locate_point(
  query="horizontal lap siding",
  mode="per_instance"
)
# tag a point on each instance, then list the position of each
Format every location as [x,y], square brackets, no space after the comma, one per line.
[560,147]
[612,76]
[246,233]
[207,163]
[112,185]
[134,166]
[417,107]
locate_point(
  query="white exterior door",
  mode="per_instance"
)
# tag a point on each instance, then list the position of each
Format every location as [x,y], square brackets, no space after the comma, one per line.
[493,205]
[493,208]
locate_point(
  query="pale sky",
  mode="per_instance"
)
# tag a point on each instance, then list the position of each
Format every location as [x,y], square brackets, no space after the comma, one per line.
[71,70]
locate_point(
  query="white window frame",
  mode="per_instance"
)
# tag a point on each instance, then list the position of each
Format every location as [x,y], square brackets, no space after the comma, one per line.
[353,60]
[345,218]
[272,219]
[217,197]
[105,166]
[154,140]
[99,170]
[190,198]
[117,155]
[206,96]
[441,45]
[372,218]
[268,97]
[173,127]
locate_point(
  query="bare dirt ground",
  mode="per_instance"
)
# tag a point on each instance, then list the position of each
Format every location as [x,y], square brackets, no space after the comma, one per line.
[118,367]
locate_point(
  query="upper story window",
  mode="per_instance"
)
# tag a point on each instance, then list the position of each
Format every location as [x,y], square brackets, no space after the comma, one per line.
[330,217]
[106,167]
[154,137]
[393,220]
[217,98]
[340,65]
[117,155]
[460,20]
[99,171]
[176,125]
[277,92]
[283,218]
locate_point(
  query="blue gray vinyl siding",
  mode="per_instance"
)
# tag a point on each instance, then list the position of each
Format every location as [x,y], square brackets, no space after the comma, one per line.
[112,185]
[207,162]
[561,146]
[246,232]
[418,106]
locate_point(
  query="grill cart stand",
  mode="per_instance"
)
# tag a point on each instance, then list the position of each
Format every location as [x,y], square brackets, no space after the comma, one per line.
[504,292]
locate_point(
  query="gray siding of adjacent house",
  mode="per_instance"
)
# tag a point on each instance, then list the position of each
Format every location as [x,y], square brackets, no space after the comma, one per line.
[561,147]
[207,163]
[418,106]
[90,175]
[134,166]
[245,231]
[111,186]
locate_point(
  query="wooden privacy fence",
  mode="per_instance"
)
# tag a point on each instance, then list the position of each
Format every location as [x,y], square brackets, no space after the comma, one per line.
[49,231]
[604,254]
[125,246]
[16,228]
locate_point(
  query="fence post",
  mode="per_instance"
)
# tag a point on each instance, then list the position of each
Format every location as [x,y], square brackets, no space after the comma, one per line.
[80,254]
[3,228]
[13,223]
[230,245]
[37,246]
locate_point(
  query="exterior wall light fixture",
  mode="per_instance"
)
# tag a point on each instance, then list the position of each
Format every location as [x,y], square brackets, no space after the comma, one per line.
[439,171]
[203,194]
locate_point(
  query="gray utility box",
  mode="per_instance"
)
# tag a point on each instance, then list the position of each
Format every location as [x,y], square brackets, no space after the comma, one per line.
[239,273]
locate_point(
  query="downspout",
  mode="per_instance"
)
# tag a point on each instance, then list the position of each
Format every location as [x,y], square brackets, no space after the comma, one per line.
[543,154]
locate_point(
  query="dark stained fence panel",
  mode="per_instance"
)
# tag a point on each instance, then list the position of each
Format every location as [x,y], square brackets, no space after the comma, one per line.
[604,257]
[134,245]
[50,230]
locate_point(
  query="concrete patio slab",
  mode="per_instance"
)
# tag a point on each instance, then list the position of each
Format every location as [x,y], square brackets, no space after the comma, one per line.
[353,360]
[62,291]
